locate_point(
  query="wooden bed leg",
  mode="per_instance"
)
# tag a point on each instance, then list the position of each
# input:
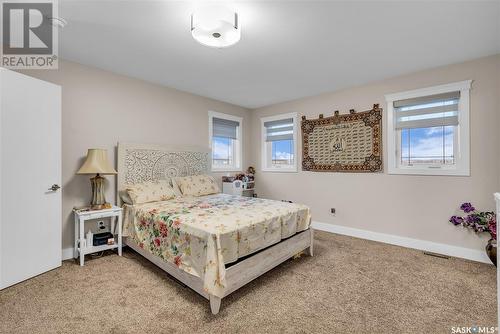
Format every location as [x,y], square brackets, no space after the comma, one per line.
[311,247]
[214,304]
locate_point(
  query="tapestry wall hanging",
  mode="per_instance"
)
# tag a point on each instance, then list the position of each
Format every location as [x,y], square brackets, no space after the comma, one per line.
[343,143]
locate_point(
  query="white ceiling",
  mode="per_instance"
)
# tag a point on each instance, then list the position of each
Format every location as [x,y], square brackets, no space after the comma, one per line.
[288,49]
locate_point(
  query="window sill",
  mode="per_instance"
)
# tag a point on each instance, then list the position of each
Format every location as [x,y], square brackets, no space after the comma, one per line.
[223,170]
[429,171]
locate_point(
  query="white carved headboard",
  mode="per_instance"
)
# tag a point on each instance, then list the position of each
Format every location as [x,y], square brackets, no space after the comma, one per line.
[144,162]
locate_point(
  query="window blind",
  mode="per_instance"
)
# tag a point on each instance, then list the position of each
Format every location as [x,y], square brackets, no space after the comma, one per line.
[224,128]
[427,111]
[279,130]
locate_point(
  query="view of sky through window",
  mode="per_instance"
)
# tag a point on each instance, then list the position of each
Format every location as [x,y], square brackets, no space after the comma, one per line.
[282,152]
[222,151]
[432,145]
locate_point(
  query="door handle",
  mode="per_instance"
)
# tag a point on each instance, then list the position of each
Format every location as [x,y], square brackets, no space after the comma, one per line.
[54,187]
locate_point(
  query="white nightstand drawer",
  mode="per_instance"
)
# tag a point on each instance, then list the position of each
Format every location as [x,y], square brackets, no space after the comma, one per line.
[101,215]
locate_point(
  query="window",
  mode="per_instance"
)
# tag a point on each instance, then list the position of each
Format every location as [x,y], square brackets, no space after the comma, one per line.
[428,130]
[279,149]
[225,141]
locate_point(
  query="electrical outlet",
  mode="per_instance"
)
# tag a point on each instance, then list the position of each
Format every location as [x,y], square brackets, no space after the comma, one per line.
[100,225]
[333,211]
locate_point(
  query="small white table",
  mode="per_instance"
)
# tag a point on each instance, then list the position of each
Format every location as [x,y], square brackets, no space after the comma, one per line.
[81,216]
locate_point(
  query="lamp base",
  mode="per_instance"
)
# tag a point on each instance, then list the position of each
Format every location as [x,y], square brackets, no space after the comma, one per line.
[98,199]
[101,206]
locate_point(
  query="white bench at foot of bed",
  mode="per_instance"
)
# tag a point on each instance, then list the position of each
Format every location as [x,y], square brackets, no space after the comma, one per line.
[242,272]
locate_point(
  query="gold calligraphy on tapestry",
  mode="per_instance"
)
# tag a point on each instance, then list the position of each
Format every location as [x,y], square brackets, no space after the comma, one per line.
[343,143]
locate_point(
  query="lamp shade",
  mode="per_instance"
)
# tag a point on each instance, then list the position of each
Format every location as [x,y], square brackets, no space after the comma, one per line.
[96,163]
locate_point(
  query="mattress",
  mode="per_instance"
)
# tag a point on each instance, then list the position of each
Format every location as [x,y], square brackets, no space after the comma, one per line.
[202,234]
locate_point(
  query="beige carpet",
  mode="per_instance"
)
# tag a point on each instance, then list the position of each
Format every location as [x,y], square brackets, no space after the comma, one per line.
[349,286]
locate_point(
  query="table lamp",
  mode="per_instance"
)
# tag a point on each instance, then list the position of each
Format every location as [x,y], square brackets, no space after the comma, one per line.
[97,163]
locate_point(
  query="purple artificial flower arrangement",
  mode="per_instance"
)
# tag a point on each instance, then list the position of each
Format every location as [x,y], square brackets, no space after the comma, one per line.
[479,221]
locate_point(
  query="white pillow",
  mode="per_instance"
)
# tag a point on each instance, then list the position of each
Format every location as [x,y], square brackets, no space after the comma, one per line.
[125,197]
[177,191]
[150,192]
[197,185]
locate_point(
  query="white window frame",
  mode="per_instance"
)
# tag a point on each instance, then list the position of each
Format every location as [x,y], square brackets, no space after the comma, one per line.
[238,152]
[264,165]
[462,132]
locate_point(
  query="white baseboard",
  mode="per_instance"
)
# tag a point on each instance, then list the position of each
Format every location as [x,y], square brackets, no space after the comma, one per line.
[434,247]
[67,253]
[461,252]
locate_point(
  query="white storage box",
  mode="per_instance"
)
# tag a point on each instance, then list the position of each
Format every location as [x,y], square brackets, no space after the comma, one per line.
[238,187]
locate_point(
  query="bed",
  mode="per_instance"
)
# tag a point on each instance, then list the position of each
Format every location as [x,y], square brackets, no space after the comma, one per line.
[215,243]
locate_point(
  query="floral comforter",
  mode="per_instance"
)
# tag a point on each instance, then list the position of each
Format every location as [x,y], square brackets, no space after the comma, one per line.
[202,234]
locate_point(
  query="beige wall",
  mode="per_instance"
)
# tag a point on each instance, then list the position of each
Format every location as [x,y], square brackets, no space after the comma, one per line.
[100,108]
[410,206]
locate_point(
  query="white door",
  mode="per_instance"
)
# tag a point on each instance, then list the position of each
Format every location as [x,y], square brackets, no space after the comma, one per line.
[30,164]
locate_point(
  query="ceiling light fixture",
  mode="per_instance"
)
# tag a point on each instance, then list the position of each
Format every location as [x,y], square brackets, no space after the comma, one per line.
[216,27]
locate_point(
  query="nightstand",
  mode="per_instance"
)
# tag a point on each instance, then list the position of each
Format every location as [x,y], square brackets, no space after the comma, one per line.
[82,215]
